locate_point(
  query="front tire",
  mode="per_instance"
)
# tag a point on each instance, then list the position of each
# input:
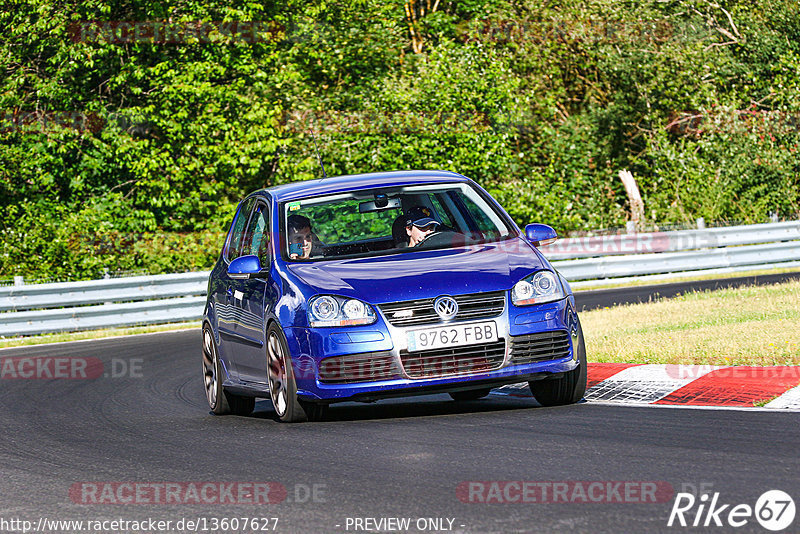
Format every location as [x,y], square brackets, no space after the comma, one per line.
[220,401]
[568,389]
[282,385]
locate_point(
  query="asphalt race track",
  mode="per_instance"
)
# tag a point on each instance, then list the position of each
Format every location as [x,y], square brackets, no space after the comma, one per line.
[391,459]
[144,419]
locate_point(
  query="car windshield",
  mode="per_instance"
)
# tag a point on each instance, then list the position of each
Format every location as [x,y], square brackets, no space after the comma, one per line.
[389,220]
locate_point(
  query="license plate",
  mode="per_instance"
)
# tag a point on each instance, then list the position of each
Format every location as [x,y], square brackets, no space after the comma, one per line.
[452,336]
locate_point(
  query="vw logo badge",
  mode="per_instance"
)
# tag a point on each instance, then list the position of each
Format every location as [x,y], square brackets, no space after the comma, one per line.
[446,307]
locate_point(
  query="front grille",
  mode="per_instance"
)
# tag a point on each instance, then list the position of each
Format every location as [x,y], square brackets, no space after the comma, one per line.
[539,347]
[455,360]
[366,367]
[421,312]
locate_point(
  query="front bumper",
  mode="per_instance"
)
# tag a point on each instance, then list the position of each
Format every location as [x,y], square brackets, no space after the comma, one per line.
[312,349]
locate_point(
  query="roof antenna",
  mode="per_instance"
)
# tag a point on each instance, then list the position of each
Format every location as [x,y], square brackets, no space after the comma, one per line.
[317,150]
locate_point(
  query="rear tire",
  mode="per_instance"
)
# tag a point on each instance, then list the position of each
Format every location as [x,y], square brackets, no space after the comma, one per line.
[568,389]
[220,401]
[470,395]
[282,385]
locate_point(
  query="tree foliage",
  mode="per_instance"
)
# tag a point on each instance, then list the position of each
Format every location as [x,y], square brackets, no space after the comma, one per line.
[132,153]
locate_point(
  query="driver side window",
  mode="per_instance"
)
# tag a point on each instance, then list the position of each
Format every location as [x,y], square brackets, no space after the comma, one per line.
[233,250]
[257,235]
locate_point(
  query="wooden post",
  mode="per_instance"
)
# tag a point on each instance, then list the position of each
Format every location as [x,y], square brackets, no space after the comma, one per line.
[634,198]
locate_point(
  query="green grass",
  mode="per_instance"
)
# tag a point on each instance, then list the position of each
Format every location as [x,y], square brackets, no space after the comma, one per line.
[753,325]
[763,402]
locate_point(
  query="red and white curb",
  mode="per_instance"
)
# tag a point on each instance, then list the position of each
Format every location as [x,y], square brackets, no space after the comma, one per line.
[688,385]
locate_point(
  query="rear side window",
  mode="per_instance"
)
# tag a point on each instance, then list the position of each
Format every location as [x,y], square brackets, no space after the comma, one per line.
[233,250]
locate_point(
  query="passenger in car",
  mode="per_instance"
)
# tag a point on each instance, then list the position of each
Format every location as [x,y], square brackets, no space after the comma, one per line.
[420,224]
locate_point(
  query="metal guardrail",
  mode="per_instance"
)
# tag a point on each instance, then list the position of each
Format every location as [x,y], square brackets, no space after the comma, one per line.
[61,294]
[103,316]
[72,306]
[678,262]
[681,240]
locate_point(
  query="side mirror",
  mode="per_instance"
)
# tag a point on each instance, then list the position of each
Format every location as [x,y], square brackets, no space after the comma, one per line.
[540,234]
[244,267]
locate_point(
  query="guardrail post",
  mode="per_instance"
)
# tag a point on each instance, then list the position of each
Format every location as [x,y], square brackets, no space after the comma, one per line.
[701,223]
[630,227]
[19,281]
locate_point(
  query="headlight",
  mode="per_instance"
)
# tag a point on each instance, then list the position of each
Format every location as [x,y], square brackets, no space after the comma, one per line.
[540,287]
[326,310]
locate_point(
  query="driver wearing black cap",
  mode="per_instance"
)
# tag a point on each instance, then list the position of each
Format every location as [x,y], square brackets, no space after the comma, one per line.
[420,224]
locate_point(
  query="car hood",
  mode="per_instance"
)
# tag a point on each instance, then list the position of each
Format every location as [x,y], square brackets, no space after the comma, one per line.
[423,274]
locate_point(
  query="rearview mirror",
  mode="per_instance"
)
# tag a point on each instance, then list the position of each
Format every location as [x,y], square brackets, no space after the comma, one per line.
[245,267]
[540,234]
[382,203]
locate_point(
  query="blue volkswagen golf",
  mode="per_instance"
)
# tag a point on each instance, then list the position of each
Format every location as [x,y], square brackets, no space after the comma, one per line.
[365,287]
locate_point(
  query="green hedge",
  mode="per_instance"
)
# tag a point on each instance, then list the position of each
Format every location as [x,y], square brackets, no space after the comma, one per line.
[132,155]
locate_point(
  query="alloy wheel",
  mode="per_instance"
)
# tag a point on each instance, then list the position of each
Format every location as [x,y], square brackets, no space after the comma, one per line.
[210,378]
[277,374]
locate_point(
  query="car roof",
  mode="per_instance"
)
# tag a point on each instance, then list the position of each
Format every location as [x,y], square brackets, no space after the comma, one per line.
[341,184]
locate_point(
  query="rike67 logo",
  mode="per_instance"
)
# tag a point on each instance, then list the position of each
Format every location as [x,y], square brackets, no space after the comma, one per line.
[774,510]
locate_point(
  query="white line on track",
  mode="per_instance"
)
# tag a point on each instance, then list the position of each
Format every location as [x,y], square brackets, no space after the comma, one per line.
[789,400]
[692,407]
[46,344]
[642,383]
